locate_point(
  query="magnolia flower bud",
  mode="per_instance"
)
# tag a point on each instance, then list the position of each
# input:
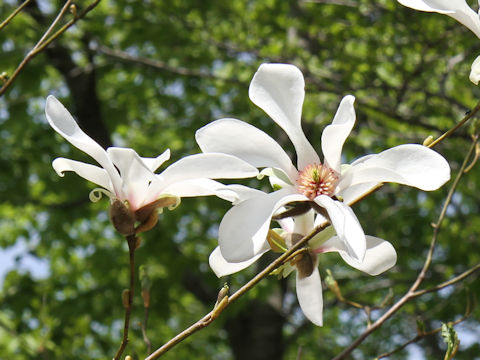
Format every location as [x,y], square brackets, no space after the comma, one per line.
[122,218]
[475,72]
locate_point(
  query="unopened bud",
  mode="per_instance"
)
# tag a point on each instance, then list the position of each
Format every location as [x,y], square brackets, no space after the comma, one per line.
[128,357]
[428,140]
[222,293]
[4,77]
[122,218]
[73,10]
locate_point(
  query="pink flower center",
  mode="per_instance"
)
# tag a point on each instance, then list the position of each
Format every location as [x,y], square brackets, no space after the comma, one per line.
[317,179]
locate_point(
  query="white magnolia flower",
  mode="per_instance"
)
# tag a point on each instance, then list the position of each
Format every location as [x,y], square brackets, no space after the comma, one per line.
[125,176]
[279,90]
[379,257]
[457,9]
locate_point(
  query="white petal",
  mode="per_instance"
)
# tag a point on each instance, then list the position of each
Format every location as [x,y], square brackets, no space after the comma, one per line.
[92,173]
[334,135]
[379,256]
[244,192]
[304,223]
[243,230]
[457,9]
[201,187]
[222,267]
[237,138]
[310,297]
[475,71]
[210,165]
[440,6]
[409,164]
[354,192]
[154,163]
[62,122]
[346,225]
[286,224]
[136,176]
[279,90]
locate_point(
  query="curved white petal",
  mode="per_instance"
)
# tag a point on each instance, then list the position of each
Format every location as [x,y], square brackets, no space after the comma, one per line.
[201,187]
[410,164]
[334,135]
[210,165]
[346,225]
[379,256]
[310,297]
[243,230]
[457,9]
[136,176]
[237,138]
[279,89]
[92,173]
[440,6]
[63,123]
[222,267]
[154,163]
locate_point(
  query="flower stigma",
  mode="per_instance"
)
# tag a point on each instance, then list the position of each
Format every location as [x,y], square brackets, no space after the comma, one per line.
[317,179]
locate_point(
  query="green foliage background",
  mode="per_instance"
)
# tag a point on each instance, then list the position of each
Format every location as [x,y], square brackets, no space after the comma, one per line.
[146,75]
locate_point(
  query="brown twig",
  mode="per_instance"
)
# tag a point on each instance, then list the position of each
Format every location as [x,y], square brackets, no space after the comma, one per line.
[411,293]
[132,243]
[12,15]
[419,337]
[46,39]
[212,315]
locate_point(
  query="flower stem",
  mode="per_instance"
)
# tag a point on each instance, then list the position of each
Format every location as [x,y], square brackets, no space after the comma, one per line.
[131,241]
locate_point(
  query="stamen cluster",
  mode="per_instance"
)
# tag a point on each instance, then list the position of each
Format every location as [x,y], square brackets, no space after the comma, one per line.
[317,179]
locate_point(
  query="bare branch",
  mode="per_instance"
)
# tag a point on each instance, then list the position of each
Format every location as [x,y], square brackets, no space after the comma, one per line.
[12,15]
[46,39]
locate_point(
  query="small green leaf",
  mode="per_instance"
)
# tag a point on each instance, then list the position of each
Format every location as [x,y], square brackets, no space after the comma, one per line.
[451,339]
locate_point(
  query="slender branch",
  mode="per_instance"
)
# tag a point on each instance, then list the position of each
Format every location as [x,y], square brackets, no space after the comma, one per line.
[45,40]
[132,241]
[212,315]
[12,15]
[452,281]
[419,337]
[410,294]
[467,117]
